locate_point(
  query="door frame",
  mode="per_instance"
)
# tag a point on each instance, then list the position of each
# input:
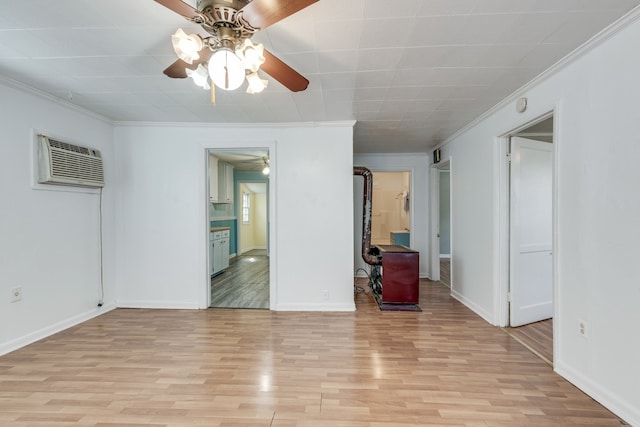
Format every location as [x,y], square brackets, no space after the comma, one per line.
[270,146]
[501,288]
[435,218]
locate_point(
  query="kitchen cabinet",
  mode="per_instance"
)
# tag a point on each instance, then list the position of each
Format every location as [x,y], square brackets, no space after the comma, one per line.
[218,251]
[224,248]
[225,182]
[213,179]
[215,254]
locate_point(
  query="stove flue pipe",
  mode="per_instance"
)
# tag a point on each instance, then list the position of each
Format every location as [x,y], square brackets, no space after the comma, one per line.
[367,200]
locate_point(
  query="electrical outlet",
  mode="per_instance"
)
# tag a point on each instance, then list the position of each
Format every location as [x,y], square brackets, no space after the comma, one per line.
[16,294]
[582,328]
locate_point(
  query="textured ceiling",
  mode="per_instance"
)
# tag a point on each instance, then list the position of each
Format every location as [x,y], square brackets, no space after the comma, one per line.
[410,72]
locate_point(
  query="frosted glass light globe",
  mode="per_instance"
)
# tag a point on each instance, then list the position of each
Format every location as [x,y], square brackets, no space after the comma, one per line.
[226,69]
[187,47]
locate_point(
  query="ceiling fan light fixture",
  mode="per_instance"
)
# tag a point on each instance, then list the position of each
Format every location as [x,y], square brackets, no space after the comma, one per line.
[255,83]
[226,69]
[200,76]
[187,46]
[252,55]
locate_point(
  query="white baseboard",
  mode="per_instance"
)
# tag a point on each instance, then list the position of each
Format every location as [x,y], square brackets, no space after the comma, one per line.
[17,343]
[168,305]
[473,307]
[609,400]
[245,250]
[315,307]
[445,256]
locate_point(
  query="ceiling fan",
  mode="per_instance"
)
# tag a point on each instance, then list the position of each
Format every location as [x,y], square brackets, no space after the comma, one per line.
[227,55]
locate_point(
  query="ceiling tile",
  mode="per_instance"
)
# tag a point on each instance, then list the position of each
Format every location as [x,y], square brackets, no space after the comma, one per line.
[410,72]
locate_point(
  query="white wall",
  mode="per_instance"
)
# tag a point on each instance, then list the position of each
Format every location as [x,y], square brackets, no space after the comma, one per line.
[49,243]
[161,227]
[417,164]
[598,211]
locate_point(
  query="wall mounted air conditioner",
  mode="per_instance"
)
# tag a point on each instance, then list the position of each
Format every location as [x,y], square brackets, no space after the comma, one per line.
[68,164]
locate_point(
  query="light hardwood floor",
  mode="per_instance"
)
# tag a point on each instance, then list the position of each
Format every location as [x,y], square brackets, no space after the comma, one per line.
[443,366]
[537,337]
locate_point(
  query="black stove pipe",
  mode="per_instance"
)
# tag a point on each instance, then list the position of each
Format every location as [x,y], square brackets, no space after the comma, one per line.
[367,199]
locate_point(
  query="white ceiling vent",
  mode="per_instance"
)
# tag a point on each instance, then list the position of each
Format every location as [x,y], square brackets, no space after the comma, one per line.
[68,164]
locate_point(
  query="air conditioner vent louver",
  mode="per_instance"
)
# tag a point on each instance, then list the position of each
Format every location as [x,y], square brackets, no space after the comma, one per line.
[68,164]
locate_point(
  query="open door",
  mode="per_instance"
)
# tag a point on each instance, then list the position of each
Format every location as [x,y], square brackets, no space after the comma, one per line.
[531,257]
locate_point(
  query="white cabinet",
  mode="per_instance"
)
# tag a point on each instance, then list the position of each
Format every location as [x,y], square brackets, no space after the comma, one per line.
[224,248]
[225,183]
[215,252]
[220,181]
[218,251]
[214,192]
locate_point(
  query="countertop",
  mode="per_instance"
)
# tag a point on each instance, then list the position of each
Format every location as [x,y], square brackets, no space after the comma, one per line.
[214,229]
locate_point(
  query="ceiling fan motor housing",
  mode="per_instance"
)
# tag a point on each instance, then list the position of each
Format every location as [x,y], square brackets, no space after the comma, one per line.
[216,17]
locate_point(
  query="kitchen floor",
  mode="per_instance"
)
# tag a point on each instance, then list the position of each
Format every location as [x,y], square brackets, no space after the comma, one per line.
[245,284]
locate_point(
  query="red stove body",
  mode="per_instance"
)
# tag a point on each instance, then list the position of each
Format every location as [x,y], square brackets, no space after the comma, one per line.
[400,274]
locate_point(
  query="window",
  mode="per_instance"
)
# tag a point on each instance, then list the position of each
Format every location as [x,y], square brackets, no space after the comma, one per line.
[246,201]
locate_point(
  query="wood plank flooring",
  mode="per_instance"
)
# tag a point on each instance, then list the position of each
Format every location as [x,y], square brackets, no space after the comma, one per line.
[538,337]
[445,271]
[443,366]
[245,284]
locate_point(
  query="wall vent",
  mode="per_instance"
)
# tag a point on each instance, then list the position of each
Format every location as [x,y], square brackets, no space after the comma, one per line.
[68,164]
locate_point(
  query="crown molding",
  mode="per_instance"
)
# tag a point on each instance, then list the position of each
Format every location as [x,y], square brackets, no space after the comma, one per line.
[586,47]
[14,84]
[344,123]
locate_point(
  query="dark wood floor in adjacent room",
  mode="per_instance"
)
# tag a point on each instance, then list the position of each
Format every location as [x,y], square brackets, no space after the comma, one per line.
[444,366]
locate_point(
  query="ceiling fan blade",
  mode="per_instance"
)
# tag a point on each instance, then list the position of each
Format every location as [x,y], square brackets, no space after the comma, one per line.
[286,75]
[178,70]
[179,7]
[262,13]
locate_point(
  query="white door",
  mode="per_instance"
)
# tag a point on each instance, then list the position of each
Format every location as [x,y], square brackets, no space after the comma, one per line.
[531,261]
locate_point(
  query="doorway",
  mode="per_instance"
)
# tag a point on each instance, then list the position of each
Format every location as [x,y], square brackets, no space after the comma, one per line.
[441,222]
[444,222]
[528,235]
[391,209]
[239,212]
